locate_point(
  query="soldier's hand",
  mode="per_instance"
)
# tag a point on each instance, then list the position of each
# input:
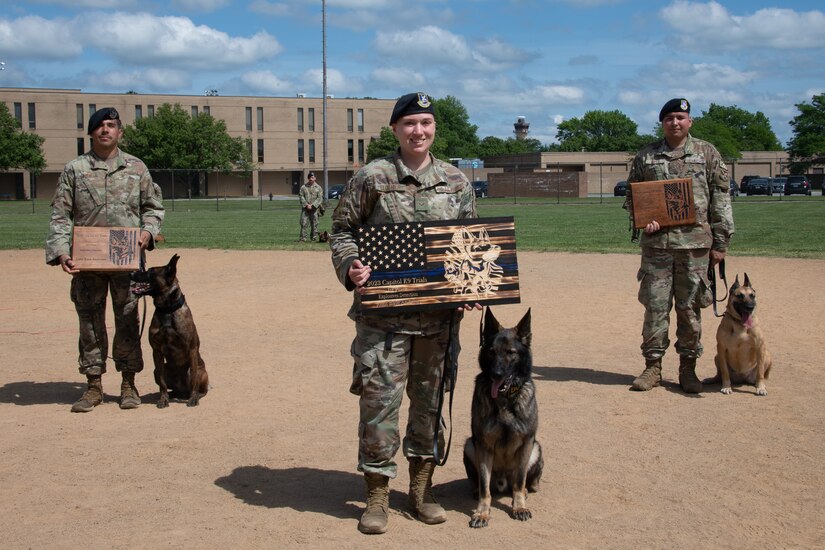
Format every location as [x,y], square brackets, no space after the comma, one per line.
[145,239]
[67,264]
[652,227]
[359,273]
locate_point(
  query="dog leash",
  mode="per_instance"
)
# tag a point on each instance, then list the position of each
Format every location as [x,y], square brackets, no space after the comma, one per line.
[447,384]
[712,278]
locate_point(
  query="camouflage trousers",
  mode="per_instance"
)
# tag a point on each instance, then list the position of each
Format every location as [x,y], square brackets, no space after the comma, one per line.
[667,278]
[384,364]
[88,293]
[309,219]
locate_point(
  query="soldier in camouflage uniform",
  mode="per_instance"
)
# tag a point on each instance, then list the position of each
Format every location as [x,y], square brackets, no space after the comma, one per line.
[674,266]
[394,350]
[102,188]
[311,196]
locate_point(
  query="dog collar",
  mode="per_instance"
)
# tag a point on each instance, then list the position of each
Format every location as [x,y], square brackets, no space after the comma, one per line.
[166,310]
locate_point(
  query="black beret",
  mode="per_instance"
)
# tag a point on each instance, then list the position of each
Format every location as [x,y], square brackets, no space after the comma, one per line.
[412,104]
[106,113]
[675,105]
[311,175]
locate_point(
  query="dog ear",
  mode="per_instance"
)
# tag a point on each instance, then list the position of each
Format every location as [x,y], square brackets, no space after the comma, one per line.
[491,326]
[735,285]
[525,334]
[172,267]
[747,281]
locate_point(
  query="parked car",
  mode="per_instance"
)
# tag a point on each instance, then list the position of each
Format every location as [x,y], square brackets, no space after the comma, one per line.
[734,189]
[759,186]
[480,188]
[335,191]
[743,184]
[620,189]
[797,184]
[778,185]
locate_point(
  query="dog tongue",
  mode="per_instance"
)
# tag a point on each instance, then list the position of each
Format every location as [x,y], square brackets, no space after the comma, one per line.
[747,320]
[496,386]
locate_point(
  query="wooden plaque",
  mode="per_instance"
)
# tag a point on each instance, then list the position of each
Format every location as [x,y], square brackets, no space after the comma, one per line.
[669,202]
[420,266]
[106,248]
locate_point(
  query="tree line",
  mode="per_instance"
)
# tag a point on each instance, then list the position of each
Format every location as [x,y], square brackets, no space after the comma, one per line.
[173,138]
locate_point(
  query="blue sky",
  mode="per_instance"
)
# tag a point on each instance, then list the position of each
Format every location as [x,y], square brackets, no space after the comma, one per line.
[546,60]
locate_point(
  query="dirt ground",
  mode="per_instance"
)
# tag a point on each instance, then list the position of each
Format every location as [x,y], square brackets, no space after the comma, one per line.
[268,458]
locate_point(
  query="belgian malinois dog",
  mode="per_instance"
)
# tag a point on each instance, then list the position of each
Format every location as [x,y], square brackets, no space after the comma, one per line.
[742,357]
[179,366]
[503,452]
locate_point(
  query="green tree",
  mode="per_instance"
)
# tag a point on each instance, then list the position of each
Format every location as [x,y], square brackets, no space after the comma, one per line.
[173,139]
[492,146]
[807,146]
[19,149]
[733,130]
[383,146]
[599,131]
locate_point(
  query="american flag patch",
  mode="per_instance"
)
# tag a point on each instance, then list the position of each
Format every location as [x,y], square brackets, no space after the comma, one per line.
[439,264]
[122,246]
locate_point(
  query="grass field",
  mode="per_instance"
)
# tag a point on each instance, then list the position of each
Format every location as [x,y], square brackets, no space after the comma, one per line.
[765,226]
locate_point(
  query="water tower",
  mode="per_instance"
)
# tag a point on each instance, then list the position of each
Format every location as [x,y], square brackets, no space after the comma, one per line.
[521,128]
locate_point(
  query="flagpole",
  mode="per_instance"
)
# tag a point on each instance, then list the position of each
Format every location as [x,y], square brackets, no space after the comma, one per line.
[324,115]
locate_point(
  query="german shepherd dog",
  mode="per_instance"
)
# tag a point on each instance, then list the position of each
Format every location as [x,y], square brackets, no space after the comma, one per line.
[742,356]
[503,452]
[179,366]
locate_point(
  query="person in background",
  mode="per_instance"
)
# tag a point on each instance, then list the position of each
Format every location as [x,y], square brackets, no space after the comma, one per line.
[311,196]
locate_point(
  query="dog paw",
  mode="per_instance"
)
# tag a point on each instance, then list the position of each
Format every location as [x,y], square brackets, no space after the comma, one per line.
[762,390]
[163,402]
[522,514]
[193,401]
[479,520]
[727,391]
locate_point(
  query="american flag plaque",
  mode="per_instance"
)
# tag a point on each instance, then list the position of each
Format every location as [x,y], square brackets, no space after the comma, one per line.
[106,248]
[669,202]
[418,266]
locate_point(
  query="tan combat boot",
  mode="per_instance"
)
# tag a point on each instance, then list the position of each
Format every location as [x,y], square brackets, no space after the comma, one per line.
[421,494]
[650,377]
[92,397]
[374,519]
[129,396]
[687,375]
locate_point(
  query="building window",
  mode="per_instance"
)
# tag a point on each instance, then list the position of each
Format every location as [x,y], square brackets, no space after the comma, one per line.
[300,150]
[260,150]
[92,109]
[194,111]
[360,120]
[32,117]
[207,110]
[300,119]
[349,120]
[138,112]
[260,119]
[80,143]
[150,111]
[311,119]
[360,151]
[18,113]
[350,150]
[249,119]
[80,119]
[312,150]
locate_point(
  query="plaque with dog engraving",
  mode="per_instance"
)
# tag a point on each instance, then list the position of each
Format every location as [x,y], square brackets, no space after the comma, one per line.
[669,202]
[106,248]
[439,264]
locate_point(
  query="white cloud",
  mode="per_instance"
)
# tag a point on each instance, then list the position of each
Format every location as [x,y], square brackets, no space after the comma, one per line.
[146,39]
[265,82]
[149,80]
[711,27]
[425,46]
[33,37]
[337,83]
[396,77]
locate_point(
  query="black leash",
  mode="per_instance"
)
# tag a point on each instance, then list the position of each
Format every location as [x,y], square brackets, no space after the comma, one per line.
[712,278]
[448,379]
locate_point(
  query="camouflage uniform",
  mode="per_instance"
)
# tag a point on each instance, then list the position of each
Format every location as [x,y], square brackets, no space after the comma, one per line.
[675,260]
[314,195]
[392,350]
[91,193]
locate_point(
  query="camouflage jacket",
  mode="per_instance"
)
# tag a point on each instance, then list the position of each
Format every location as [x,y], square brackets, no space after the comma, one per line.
[386,191]
[700,161]
[311,194]
[89,193]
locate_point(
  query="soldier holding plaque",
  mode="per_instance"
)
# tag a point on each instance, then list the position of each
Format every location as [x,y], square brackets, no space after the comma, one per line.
[675,258]
[104,188]
[394,351]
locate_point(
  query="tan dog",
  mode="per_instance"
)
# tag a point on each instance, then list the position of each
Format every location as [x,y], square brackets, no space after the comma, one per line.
[742,357]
